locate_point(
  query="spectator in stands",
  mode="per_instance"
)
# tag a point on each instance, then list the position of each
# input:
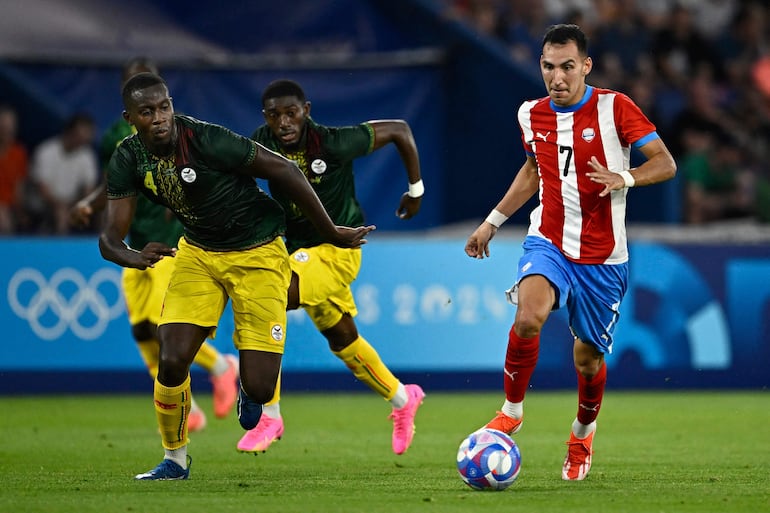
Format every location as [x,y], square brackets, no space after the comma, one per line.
[13,170]
[525,21]
[718,182]
[64,169]
[703,110]
[712,17]
[680,50]
[621,42]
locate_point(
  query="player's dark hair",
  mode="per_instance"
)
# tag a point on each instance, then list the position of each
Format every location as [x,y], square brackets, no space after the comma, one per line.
[138,82]
[563,33]
[283,87]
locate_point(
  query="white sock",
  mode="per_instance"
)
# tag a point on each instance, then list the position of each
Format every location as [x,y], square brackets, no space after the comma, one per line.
[193,405]
[400,399]
[272,410]
[220,365]
[513,410]
[582,430]
[178,456]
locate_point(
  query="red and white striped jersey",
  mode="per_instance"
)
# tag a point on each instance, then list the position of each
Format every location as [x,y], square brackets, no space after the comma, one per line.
[587,228]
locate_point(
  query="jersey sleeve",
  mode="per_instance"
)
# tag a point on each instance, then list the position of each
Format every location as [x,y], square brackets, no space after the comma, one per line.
[224,149]
[120,174]
[350,142]
[633,126]
[525,125]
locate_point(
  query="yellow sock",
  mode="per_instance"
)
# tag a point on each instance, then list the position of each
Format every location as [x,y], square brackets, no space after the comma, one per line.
[150,352]
[172,406]
[366,365]
[207,356]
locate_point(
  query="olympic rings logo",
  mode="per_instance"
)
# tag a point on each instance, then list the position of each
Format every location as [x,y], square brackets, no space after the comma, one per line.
[49,300]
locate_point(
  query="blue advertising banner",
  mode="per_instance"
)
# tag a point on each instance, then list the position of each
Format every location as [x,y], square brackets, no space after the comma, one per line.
[694,316]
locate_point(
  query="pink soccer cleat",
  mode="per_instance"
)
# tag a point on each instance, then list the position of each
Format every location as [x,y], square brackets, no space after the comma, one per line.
[196,421]
[403,419]
[225,388]
[261,437]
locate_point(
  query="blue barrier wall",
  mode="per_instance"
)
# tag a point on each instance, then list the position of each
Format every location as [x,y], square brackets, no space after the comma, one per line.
[694,316]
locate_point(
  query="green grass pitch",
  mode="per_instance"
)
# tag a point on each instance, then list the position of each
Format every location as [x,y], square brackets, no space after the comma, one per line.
[655,452]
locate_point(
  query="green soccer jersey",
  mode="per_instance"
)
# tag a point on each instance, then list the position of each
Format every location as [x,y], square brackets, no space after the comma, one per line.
[327,162]
[152,222]
[220,207]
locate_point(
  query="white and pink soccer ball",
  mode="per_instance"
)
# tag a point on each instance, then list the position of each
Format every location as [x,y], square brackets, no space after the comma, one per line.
[488,459]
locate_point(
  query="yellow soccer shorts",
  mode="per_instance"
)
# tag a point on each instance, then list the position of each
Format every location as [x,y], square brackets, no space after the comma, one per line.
[255,280]
[144,291]
[325,275]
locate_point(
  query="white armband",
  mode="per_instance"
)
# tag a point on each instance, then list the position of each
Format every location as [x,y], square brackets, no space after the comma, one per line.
[496,218]
[628,178]
[416,189]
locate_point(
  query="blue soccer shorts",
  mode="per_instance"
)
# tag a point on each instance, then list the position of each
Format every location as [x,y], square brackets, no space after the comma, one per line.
[591,293]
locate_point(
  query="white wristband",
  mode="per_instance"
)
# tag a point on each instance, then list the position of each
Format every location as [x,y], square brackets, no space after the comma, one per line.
[496,218]
[628,178]
[416,189]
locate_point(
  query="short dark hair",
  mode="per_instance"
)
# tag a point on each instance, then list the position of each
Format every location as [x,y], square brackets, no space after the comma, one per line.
[283,87]
[563,33]
[138,82]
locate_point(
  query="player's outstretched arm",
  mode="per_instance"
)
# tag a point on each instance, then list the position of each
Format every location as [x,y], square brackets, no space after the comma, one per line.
[398,132]
[284,176]
[477,245]
[120,212]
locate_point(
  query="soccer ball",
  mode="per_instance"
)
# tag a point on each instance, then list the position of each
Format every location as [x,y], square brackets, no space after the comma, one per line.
[488,459]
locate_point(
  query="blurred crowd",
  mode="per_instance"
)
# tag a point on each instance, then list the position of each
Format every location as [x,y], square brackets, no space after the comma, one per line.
[38,190]
[700,70]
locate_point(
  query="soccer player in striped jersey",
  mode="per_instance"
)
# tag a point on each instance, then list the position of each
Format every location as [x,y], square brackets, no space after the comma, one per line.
[577,142]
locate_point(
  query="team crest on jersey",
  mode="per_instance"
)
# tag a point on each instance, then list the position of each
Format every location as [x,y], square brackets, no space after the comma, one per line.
[276,332]
[588,134]
[318,166]
[301,256]
[188,175]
